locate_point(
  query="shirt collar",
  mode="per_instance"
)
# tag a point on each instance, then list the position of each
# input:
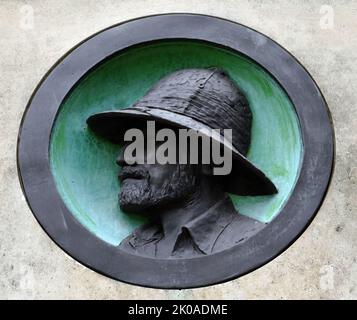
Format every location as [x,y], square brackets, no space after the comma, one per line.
[204,229]
[146,234]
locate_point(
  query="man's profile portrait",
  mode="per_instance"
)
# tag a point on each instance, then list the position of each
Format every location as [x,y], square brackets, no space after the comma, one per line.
[190,211]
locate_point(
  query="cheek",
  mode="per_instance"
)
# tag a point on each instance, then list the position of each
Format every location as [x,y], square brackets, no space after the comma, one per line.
[161,174]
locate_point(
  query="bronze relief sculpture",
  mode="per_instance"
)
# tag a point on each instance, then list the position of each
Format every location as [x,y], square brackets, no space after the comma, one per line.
[191,213]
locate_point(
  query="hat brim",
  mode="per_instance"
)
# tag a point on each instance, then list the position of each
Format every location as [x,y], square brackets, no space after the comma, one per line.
[244,179]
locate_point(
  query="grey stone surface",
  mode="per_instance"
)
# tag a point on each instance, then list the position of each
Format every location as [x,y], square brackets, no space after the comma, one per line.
[321,264]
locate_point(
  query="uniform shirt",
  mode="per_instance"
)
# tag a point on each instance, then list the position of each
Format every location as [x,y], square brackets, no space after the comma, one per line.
[217,229]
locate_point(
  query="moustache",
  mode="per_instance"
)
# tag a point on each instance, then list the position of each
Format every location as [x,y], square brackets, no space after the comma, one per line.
[132,173]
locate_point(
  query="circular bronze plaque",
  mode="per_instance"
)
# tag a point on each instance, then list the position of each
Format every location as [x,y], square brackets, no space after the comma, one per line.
[76,202]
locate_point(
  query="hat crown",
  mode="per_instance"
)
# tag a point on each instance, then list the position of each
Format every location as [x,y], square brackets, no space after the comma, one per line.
[199,98]
[206,95]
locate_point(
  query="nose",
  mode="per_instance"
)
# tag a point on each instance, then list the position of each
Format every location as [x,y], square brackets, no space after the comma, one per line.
[120,159]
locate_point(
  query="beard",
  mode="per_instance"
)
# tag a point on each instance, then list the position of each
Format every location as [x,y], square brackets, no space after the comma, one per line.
[137,195]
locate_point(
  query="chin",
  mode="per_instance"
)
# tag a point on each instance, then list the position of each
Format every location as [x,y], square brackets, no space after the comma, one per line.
[140,205]
[139,198]
[130,204]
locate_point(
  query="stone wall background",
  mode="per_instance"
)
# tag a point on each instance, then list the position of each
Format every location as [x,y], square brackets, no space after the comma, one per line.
[321,264]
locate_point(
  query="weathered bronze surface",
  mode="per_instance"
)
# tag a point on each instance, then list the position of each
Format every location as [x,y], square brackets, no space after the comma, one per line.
[190,210]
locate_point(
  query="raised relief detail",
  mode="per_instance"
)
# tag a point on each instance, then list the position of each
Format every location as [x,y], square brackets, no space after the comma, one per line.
[191,213]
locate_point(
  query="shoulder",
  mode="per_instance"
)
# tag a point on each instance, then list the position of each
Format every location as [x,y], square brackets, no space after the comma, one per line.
[239,230]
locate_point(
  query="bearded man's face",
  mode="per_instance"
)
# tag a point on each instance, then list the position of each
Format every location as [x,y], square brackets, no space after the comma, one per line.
[145,187]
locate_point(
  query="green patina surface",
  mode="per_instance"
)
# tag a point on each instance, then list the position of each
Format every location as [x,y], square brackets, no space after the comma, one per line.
[84,164]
